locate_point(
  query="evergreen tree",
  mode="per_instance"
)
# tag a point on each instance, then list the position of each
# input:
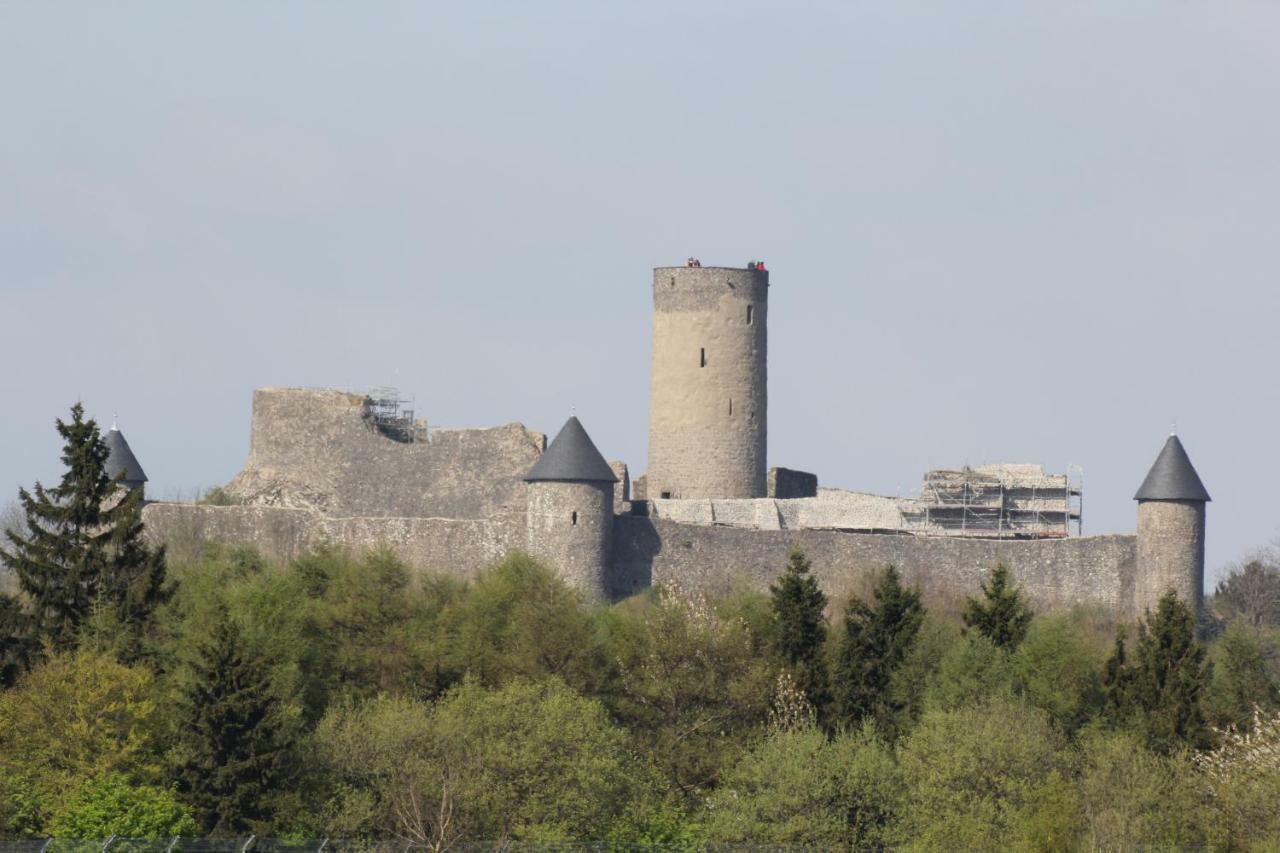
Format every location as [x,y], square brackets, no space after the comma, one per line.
[82,549]
[876,642]
[800,628]
[1160,690]
[1117,682]
[233,746]
[1001,615]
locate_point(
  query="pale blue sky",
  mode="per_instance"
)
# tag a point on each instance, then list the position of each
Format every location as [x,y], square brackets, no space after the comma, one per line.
[998,231]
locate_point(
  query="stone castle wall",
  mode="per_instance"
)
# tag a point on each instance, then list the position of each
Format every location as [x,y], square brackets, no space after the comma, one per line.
[708,403]
[451,545]
[316,450]
[1054,573]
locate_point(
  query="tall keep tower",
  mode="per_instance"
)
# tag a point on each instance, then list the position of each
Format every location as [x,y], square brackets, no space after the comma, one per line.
[1170,531]
[708,402]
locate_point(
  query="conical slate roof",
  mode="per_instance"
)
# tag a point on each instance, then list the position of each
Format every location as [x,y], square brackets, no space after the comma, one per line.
[572,456]
[121,458]
[1172,477]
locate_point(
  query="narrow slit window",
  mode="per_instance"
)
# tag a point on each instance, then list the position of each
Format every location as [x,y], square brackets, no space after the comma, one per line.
[751,314]
[574,518]
[702,357]
[730,405]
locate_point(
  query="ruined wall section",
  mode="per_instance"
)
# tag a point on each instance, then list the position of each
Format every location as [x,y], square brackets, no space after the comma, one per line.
[1054,573]
[460,547]
[316,450]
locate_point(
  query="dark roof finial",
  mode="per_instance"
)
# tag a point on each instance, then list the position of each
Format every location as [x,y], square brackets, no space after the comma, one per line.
[1172,477]
[572,456]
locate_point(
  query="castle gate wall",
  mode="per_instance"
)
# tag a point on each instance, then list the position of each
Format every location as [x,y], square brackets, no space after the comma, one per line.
[1053,573]
[314,449]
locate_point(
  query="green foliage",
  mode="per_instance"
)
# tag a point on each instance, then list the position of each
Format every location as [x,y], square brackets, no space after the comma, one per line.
[799,788]
[82,547]
[972,671]
[76,716]
[877,640]
[1058,670]
[111,805]
[520,620]
[525,762]
[1134,798]
[219,496]
[233,749]
[1159,690]
[800,628]
[1001,615]
[1241,681]
[972,775]
[693,686]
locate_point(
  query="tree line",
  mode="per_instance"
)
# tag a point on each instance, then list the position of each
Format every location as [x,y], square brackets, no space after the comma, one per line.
[348,696]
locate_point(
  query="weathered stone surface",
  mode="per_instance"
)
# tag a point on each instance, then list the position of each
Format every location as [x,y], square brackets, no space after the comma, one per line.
[316,450]
[570,527]
[1054,573]
[1099,569]
[709,404]
[1170,553]
[786,483]
[455,546]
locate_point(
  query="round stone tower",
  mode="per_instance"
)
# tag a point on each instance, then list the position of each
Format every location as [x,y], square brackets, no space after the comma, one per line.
[708,402]
[1170,531]
[570,510]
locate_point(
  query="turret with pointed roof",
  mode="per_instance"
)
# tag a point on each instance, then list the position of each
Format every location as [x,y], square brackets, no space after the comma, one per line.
[570,510]
[1171,530]
[120,460]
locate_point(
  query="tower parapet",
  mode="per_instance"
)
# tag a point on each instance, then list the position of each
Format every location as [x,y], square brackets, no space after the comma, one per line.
[708,410]
[570,510]
[1171,529]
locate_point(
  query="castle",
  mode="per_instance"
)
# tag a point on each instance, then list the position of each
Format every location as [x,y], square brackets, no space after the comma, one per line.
[708,513]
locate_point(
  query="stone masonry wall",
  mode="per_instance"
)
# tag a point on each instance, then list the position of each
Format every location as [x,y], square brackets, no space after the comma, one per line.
[455,546]
[647,551]
[1170,553]
[1060,572]
[315,450]
[708,403]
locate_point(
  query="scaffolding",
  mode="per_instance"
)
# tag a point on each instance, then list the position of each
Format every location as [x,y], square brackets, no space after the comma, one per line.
[999,501]
[387,415]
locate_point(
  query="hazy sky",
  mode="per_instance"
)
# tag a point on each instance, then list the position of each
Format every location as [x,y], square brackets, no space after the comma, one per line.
[998,231]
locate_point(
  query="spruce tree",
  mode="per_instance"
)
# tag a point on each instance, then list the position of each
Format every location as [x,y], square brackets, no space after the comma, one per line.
[1001,615]
[877,640]
[800,628]
[1163,684]
[233,747]
[83,548]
